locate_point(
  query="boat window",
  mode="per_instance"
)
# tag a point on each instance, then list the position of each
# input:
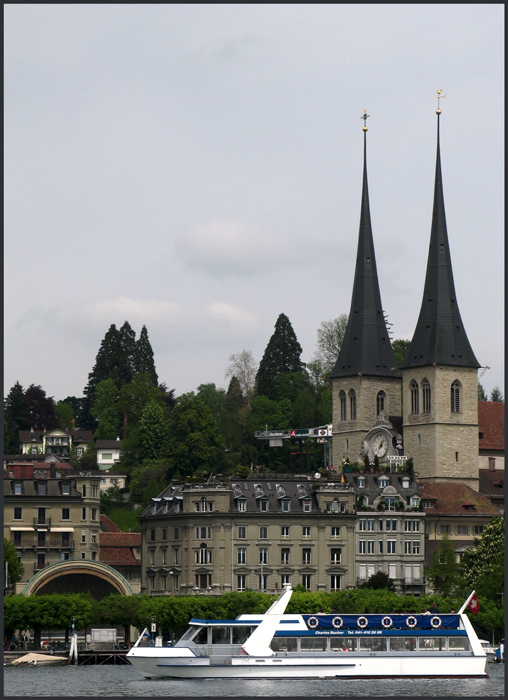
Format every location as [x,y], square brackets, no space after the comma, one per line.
[459,644]
[221,635]
[284,644]
[202,636]
[373,643]
[190,632]
[433,644]
[343,643]
[241,634]
[313,644]
[402,643]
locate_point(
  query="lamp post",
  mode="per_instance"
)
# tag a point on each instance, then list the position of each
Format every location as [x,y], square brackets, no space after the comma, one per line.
[153,627]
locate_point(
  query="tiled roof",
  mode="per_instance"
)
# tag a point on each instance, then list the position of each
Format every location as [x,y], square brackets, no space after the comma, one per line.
[107,525]
[491,425]
[118,555]
[492,484]
[456,499]
[120,539]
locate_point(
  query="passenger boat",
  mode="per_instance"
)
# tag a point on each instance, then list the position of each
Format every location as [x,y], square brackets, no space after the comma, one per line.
[280,645]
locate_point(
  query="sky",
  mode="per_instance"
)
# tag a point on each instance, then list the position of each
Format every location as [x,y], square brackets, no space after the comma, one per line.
[198,168]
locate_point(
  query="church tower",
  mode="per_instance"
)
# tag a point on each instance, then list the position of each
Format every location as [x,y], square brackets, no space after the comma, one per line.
[440,385]
[365,382]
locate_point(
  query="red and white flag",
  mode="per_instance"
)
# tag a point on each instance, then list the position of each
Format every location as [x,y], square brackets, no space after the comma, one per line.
[473,604]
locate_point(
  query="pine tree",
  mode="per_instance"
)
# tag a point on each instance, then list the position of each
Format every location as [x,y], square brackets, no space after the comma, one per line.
[105,410]
[282,356]
[143,360]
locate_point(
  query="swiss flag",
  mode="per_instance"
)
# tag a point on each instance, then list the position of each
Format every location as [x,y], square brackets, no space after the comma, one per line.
[473,604]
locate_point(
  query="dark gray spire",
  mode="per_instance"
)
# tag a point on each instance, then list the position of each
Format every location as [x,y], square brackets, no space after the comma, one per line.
[439,337]
[366,348]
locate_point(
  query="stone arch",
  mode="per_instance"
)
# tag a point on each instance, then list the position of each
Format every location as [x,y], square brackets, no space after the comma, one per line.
[78,576]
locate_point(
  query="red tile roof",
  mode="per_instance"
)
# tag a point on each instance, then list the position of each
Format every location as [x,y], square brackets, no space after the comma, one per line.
[116,548]
[107,525]
[456,499]
[120,539]
[491,425]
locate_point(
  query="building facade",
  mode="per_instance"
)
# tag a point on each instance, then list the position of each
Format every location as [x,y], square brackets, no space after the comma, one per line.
[262,532]
[51,517]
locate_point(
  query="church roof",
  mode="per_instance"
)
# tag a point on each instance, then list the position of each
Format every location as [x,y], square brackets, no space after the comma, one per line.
[366,347]
[439,337]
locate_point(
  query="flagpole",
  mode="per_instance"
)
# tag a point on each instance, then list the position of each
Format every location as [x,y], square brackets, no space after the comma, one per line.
[466,603]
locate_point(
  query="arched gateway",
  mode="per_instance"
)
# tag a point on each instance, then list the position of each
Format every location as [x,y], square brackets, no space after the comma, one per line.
[78,577]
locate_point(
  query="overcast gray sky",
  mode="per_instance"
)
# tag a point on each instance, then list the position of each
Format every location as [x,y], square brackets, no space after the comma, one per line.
[198,169]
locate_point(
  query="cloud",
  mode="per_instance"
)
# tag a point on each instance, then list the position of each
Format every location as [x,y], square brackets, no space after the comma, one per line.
[231,247]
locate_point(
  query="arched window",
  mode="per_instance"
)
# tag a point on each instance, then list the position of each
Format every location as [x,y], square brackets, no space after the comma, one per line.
[204,555]
[342,401]
[380,402]
[426,395]
[415,397]
[455,397]
[352,404]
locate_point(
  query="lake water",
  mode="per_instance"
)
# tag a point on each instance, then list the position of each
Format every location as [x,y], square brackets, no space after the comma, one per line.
[125,681]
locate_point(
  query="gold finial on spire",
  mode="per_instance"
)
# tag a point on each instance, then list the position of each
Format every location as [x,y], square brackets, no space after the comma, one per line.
[439,96]
[365,116]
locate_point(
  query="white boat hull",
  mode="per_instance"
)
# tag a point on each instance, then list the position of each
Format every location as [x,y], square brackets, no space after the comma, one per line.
[444,666]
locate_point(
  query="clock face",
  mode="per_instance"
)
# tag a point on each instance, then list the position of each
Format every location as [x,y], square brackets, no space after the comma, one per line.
[380,445]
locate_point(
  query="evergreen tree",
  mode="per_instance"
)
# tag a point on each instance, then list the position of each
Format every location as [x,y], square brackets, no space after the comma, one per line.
[14,566]
[282,356]
[16,418]
[482,396]
[64,415]
[496,395]
[127,355]
[144,362]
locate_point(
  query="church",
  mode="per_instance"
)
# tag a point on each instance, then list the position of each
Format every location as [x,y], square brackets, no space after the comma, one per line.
[425,409]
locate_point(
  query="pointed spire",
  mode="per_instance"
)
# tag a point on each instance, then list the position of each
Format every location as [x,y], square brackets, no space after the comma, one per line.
[366,347]
[439,337]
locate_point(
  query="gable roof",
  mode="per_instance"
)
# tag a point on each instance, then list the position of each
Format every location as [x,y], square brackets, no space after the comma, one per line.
[455,499]
[491,425]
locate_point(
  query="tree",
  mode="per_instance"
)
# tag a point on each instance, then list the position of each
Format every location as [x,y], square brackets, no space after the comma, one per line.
[143,357]
[482,568]
[496,395]
[153,429]
[16,418]
[14,566]
[442,572]
[64,415]
[105,410]
[330,335]
[400,348]
[147,480]
[379,580]
[281,356]
[243,366]
[41,408]
[482,396]
[195,441]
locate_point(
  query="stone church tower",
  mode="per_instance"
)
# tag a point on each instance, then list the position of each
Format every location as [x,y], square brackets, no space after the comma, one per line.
[440,385]
[366,385]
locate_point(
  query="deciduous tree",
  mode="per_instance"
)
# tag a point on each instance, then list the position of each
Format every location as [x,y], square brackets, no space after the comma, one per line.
[330,335]
[442,572]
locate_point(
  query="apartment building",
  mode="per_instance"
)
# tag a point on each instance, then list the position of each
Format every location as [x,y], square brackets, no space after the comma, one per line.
[50,515]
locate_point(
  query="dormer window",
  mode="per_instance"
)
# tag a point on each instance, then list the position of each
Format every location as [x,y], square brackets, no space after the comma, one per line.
[307,506]
[41,488]
[405,483]
[17,488]
[361,482]
[383,481]
[263,505]
[242,505]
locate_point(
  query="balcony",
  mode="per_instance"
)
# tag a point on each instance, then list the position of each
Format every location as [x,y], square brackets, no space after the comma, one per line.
[42,521]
